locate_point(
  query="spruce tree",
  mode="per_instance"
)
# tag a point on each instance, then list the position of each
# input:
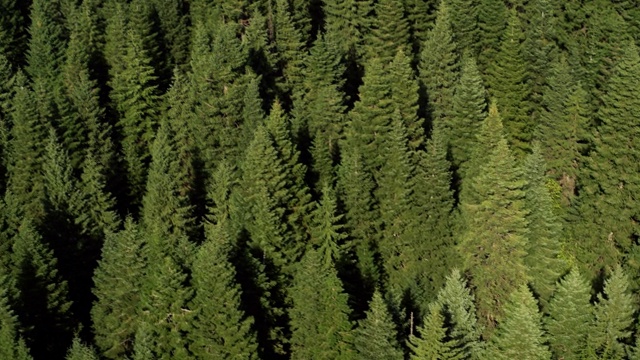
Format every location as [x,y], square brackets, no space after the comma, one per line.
[520,334]
[320,316]
[464,23]
[492,15]
[13,32]
[405,91]
[80,351]
[614,317]
[289,44]
[494,237]
[507,79]
[218,332]
[609,182]
[173,26]
[327,231]
[389,31]
[439,66]
[12,345]
[431,341]
[44,306]
[375,337]
[543,248]
[570,317]
[118,281]
[468,111]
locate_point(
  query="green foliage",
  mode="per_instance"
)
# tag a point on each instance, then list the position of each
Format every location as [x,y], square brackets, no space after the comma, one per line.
[520,334]
[389,31]
[375,337]
[218,332]
[327,230]
[405,92]
[431,342]
[614,317]
[80,351]
[118,281]
[320,316]
[543,248]
[570,317]
[464,22]
[439,65]
[12,345]
[12,32]
[492,22]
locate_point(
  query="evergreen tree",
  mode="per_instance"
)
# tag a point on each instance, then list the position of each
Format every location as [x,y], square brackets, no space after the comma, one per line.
[507,79]
[464,23]
[289,45]
[12,345]
[570,317]
[219,328]
[320,316]
[468,111]
[439,66]
[543,248]
[431,343]
[327,230]
[492,15]
[609,182]
[389,31]
[405,92]
[520,334]
[493,241]
[375,337]
[43,302]
[458,306]
[12,32]
[80,351]
[173,31]
[433,203]
[614,317]
[118,281]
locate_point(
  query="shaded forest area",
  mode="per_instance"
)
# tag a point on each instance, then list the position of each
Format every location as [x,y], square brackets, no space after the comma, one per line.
[308,179]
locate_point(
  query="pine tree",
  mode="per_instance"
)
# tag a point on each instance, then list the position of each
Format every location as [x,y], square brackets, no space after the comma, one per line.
[439,66]
[543,248]
[421,17]
[218,332]
[520,334]
[44,306]
[12,345]
[405,92]
[609,184]
[173,31]
[464,22]
[468,111]
[492,15]
[614,317]
[320,316]
[431,343]
[143,343]
[118,281]
[375,337]
[458,306]
[327,230]
[136,101]
[507,79]
[289,44]
[389,31]
[570,317]
[432,203]
[12,32]
[493,241]
[80,351]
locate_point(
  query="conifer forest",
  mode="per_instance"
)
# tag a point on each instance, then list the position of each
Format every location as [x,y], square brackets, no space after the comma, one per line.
[319,179]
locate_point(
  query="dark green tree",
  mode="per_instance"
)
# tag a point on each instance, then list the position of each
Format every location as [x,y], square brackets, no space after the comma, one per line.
[545,229]
[389,31]
[290,47]
[464,22]
[507,80]
[570,317]
[118,280]
[218,332]
[13,32]
[12,345]
[375,337]
[80,351]
[520,334]
[431,342]
[320,316]
[492,15]
[439,65]
[614,316]
[173,31]
[405,91]
[468,111]
[327,231]
[494,237]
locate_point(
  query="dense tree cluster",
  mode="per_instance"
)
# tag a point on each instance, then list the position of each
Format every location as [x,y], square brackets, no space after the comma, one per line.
[305,179]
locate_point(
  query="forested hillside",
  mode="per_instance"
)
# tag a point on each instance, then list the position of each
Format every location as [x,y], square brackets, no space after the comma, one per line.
[319,179]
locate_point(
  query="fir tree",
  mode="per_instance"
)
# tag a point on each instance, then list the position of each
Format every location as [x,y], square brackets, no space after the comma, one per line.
[492,15]
[614,317]
[327,230]
[405,92]
[289,44]
[80,351]
[44,306]
[320,316]
[609,182]
[375,337]
[464,23]
[570,317]
[12,32]
[507,81]
[545,229]
[218,332]
[12,345]
[520,334]
[495,234]
[173,31]
[468,111]
[439,66]
[389,31]
[431,343]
